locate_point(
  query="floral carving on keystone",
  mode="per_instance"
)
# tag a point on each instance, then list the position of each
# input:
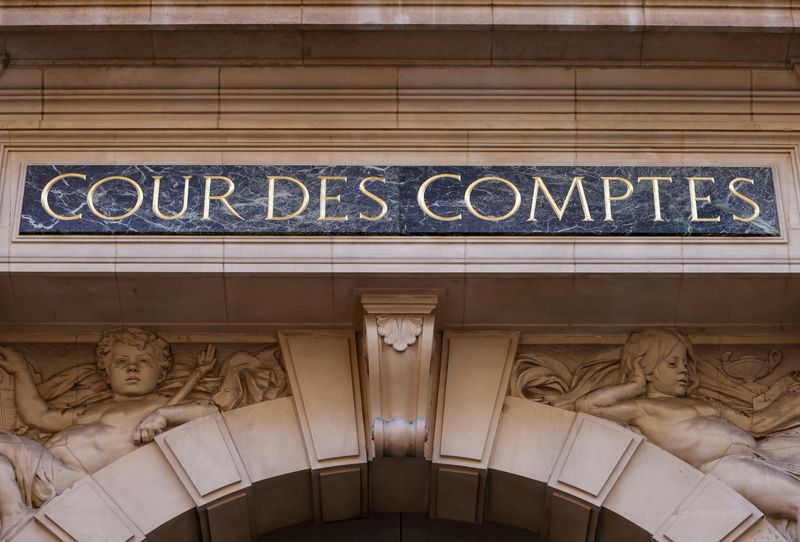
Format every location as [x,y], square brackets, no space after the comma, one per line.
[399,332]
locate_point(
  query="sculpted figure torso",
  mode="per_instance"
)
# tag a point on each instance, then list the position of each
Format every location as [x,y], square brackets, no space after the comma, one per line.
[691,429]
[656,399]
[103,433]
[133,362]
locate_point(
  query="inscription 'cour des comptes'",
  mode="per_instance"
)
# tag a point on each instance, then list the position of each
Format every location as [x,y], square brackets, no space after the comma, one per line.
[399,200]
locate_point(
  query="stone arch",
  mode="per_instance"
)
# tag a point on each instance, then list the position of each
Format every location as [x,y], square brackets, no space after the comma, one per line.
[241,474]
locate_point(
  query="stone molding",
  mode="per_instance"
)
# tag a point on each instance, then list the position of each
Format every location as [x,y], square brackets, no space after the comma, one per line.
[774,15]
[399,98]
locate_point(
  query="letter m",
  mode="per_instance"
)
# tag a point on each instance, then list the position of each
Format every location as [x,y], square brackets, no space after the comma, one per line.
[577,182]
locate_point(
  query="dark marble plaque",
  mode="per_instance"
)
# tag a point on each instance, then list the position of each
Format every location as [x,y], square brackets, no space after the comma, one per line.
[399,200]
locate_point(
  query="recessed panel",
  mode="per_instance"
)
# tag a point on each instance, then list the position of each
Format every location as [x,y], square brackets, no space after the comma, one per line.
[323,371]
[595,453]
[210,470]
[475,370]
[570,519]
[457,492]
[85,515]
[712,516]
[340,492]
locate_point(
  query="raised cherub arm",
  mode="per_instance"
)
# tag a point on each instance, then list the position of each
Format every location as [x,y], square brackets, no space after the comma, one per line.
[31,408]
[616,402]
[776,415]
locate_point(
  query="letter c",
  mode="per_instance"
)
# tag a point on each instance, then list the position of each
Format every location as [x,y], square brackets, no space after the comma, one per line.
[46,192]
[421,197]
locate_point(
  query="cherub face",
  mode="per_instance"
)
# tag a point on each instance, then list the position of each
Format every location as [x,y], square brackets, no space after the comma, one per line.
[133,372]
[671,375]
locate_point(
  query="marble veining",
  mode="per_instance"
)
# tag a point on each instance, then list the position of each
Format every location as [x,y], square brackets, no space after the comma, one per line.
[398,187]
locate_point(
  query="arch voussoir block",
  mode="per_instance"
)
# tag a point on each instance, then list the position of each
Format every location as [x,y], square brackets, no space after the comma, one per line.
[86,512]
[569,476]
[473,380]
[593,458]
[712,512]
[323,371]
[145,485]
[215,478]
[590,480]
[269,440]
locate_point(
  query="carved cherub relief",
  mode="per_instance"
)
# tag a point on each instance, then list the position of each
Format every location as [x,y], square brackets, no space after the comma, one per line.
[85,417]
[653,384]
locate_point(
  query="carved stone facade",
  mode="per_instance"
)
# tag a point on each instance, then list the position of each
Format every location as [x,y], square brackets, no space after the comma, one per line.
[189,387]
[554,434]
[741,429]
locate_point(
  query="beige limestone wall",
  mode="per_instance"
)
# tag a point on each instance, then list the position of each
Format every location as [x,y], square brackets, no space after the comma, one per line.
[452,99]
[495,458]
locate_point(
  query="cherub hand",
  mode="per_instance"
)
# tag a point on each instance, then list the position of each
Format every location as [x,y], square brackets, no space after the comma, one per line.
[206,360]
[638,377]
[153,424]
[12,361]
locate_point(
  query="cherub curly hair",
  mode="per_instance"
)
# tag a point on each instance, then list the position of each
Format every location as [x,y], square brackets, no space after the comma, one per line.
[651,347]
[133,336]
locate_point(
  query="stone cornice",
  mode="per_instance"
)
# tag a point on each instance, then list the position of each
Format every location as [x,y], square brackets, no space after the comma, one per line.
[780,15]
[399,98]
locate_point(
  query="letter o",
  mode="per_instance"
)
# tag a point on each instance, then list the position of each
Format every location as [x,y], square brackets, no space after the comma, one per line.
[95,186]
[471,187]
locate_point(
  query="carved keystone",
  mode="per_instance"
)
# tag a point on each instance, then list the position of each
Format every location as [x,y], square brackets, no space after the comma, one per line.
[398,333]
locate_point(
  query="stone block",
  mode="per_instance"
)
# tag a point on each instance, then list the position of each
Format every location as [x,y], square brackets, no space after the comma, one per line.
[473,383]
[712,512]
[593,458]
[85,512]
[210,475]
[145,486]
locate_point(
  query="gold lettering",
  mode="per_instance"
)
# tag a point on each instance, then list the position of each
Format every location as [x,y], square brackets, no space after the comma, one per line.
[656,194]
[324,198]
[223,198]
[694,199]
[363,189]
[271,198]
[756,207]
[101,182]
[468,199]
[157,190]
[421,197]
[46,192]
[608,198]
[559,211]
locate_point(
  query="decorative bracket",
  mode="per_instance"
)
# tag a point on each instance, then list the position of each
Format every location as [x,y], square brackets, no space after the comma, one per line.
[398,339]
